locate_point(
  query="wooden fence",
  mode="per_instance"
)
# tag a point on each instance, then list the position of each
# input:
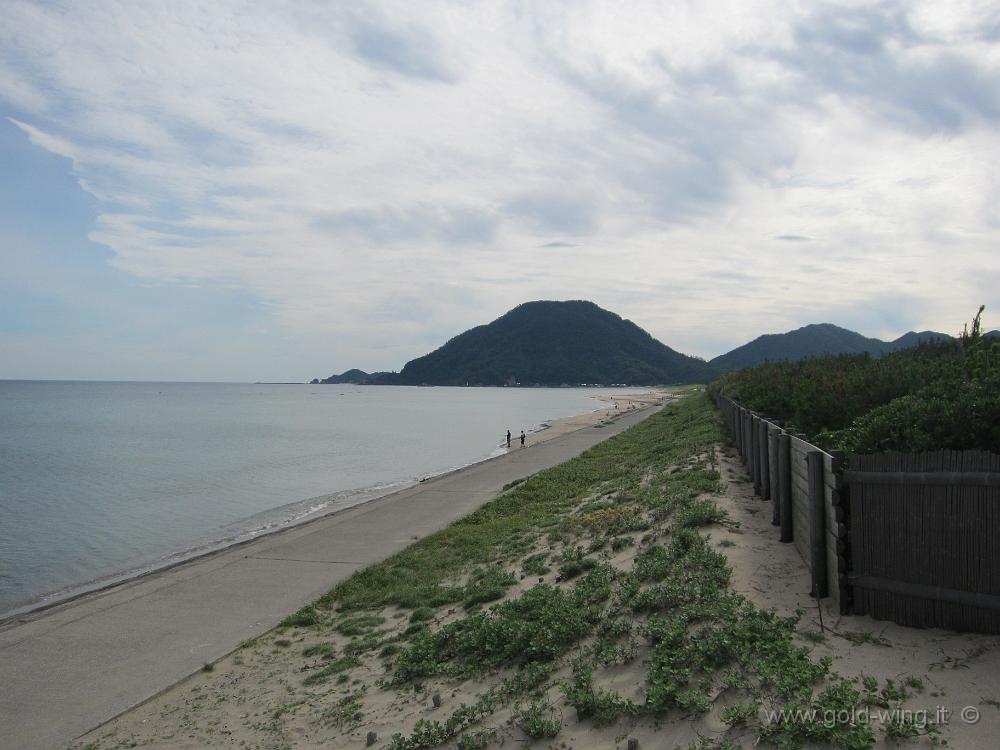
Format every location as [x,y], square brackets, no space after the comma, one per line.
[924,538]
[912,538]
[805,487]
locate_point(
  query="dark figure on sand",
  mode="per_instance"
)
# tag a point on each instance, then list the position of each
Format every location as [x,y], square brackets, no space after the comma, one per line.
[522,438]
[508,438]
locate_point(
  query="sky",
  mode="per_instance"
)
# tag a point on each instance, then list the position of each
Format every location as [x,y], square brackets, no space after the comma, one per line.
[279,191]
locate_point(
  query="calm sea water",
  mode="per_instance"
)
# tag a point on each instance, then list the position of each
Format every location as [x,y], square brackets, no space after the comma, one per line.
[103,479]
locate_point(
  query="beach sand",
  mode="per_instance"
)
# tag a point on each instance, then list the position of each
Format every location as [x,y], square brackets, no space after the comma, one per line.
[255,697]
[613,407]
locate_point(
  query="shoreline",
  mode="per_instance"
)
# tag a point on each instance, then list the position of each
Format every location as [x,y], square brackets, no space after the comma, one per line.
[546,431]
[402,656]
[151,633]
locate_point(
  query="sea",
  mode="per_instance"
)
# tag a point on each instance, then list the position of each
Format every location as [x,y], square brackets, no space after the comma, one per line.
[101,481]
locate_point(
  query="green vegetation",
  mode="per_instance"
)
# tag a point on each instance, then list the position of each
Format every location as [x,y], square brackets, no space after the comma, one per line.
[572,563]
[323,650]
[487,585]
[302,619]
[669,615]
[422,614]
[602,707]
[534,565]
[816,340]
[359,625]
[539,719]
[334,667]
[538,626]
[935,396]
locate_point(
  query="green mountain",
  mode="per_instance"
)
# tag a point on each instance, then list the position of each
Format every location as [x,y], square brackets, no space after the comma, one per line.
[555,343]
[912,339]
[815,340]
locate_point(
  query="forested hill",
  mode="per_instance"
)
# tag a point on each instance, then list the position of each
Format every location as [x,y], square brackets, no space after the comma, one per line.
[555,343]
[552,343]
[815,340]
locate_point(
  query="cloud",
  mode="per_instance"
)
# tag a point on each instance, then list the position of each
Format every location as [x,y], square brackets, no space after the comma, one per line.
[453,225]
[559,213]
[378,177]
[413,52]
[911,76]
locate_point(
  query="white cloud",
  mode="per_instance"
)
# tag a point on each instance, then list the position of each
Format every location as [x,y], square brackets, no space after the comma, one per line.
[385,175]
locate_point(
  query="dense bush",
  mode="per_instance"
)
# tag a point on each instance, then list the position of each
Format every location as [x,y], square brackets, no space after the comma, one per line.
[935,396]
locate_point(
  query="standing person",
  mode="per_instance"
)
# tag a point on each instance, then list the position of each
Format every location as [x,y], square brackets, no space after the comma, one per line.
[508,438]
[522,438]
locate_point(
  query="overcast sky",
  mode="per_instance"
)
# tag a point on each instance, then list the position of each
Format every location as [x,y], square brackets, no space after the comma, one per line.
[277,191]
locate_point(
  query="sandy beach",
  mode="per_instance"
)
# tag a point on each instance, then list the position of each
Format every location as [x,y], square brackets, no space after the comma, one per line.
[332,684]
[612,408]
[146,634]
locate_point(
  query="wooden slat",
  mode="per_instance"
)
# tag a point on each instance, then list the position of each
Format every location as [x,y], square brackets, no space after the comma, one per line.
[934,593]
[799,468]
[942,478]
[832,572]
[800,487]
[827,462]
[802,546]
[785,482]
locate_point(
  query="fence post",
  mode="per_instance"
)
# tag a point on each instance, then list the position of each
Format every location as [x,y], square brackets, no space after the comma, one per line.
[785,483]
[817,525]
[755,453]
[842,509]
[746,439]
[747,443]
[764,460]
[746,435]
[738,427]
[772,463]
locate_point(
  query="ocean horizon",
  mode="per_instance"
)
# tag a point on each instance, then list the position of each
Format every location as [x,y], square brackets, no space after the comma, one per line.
[104,480]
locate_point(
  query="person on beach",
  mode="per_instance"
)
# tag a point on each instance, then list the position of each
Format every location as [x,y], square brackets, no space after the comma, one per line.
[508,438]
[522,438]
